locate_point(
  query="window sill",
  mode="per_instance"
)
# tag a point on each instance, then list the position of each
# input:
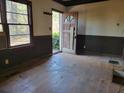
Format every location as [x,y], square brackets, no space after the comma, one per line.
[21,46]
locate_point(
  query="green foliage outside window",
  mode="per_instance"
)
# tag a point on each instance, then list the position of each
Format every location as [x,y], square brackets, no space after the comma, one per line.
[55,41]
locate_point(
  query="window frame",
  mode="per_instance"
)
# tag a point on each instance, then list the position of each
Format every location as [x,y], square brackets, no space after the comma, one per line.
[6,24]
[1,23]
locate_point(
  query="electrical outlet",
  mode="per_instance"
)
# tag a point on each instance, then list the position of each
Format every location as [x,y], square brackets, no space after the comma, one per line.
[7,61]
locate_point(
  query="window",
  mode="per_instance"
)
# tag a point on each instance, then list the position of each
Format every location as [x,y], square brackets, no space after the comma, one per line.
[18,23]
[1,27]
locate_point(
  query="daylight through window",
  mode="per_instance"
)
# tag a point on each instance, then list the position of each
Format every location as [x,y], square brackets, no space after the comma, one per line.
[1,28]
[18,23]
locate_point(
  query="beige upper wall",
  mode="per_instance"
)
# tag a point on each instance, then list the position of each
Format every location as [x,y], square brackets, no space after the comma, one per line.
[101,18]
[41,22]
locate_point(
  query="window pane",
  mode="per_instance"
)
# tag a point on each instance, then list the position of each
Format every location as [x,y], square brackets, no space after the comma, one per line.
[17,18]
[1,28]
[0,17]
[19,40]
[16,7]
[19,29]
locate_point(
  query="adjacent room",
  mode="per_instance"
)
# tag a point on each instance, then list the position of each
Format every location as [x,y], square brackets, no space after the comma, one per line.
[61,46]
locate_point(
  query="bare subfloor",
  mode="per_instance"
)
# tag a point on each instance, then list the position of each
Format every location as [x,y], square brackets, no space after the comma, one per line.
[65,73]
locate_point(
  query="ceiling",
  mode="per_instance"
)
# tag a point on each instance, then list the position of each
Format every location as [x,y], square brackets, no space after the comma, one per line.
[76,2]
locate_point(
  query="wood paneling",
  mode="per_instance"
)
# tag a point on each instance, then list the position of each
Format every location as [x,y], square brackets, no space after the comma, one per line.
[2,34]
[3,42]
[100,44]
[42,46]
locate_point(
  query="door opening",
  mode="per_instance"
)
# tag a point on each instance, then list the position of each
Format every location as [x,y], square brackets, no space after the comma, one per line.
[56,31]
[70,22]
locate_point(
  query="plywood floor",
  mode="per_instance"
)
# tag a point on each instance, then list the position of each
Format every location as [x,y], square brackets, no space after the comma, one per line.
[65,73]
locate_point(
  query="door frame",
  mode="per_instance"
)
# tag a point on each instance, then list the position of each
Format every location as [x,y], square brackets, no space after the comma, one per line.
[61,28]
[75,37]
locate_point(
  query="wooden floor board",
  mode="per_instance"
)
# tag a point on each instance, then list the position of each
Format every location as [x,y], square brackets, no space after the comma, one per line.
[64,73]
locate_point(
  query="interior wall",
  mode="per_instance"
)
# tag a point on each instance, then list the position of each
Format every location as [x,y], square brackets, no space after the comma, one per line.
[102,19]
[107,20]
[42,23]
[41,41]
[100,27]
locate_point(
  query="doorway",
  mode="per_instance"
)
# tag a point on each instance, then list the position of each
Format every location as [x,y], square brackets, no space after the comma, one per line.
[69,32]
[56,31]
